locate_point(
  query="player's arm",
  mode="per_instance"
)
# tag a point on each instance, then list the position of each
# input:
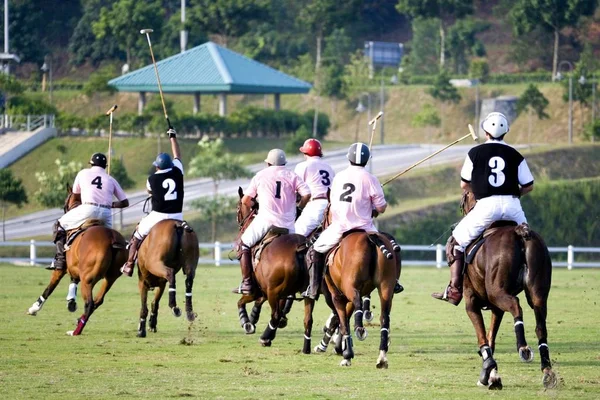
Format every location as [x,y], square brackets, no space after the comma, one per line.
[304,191]
[174,144]
[466,174]
[525,178]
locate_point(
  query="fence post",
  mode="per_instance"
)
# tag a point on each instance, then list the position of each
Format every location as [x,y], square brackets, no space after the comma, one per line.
[570,257]
[45,121]
[28,122]
[217,254]
[32,252]
[438,255]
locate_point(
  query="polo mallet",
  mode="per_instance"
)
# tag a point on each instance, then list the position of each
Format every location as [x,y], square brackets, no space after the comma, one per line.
[162,99]
[471,134]
[110,115]
[373,122]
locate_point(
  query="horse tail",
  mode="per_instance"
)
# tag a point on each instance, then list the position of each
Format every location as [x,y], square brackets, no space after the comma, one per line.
[376,240]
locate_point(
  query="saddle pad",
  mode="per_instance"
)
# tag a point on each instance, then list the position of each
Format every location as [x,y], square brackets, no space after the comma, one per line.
[493,228]
[273,233]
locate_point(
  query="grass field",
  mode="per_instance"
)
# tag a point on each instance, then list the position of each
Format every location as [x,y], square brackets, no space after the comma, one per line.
[433,354]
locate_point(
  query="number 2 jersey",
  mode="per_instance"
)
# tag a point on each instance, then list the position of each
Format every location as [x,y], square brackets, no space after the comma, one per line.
[166,186]
[97,187]
[354,194]
[495,169]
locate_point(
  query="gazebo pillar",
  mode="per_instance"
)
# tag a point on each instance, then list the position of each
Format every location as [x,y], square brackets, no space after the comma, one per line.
[222,104]
[196,103]
[141,103]
[277,97]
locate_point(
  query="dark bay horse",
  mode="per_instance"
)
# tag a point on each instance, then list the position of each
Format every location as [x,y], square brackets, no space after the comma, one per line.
[96,253]
[361,264]
[170,246]
[279,273]
[511,260]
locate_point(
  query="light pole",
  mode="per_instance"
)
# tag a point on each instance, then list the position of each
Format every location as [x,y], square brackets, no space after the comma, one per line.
[360,108]
[559,77]
[582,81]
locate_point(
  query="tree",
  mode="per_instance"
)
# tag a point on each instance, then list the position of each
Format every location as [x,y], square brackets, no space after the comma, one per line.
[297,140]
[427,118]
[51,191]
[443,91]
[424,48]
[552,15]
[532,100]
[443,10]
[462,43]
[11,191]
[117,24]
[214,162]
[119,172]
[98,82]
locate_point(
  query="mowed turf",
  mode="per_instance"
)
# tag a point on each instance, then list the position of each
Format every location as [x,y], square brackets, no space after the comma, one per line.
[433,352]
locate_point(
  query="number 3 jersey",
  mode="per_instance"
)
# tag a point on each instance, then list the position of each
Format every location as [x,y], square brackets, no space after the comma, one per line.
[354,194]
[166,186]
[97,187]
[317,174]
[495,169]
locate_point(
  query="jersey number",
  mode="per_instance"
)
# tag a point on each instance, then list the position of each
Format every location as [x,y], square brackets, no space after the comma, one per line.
[497,178]
[170,185]
[349,189]
[325,175]
[98,182]
[278,190]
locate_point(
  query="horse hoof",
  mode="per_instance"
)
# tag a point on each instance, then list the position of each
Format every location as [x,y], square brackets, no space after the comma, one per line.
[249,328]
[320,349]
[495,382]
[32,311]
[549,379]
[361,333]
[177,312]
[151,329]
[382,364]
[71,305]
[283,322]
[191,316]
[141,334]
[526,354]
[70,333]
[368,316]
[265,343]
[345,363]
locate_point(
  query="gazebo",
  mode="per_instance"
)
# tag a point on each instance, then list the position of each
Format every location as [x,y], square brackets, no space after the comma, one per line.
[210,69]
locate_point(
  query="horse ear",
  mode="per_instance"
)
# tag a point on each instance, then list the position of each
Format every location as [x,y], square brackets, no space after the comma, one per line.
[240,192]
[69,189]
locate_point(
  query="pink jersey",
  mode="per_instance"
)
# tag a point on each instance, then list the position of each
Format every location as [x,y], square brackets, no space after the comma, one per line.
[317,174]
[276,187]
[354,195]
[96,186]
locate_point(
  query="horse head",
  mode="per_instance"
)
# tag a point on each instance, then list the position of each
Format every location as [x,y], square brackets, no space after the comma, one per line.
[73,199]
[245,214]
[467,202]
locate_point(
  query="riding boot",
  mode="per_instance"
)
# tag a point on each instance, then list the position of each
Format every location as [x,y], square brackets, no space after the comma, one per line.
[60,260]
[316,263]
[246,286]
[398,288]
[453,293]
[134,245]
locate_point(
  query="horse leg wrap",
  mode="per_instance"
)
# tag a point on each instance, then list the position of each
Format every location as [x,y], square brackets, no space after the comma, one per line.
[72,294]
[243,316]
[358,318]
[142,328]
[80,325]
[366,303]
[347,351]
[520,333]
[488,364]
[385,337]
[306,348]
[288,305]
[255,314]
[270,331]
[544,354]
[172,296]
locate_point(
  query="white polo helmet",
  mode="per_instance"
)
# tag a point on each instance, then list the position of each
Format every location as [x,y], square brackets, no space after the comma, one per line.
[495,124]
[276,157]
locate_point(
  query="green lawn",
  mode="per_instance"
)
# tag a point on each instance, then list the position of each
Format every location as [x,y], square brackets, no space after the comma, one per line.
[433,354]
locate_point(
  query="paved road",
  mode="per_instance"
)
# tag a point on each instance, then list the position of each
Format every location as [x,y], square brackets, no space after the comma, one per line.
[387,160]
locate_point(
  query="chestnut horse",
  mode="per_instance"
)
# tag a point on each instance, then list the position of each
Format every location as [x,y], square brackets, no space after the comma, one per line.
[170,246]
[279,273]
[359,266]
[511,260]
[96,253]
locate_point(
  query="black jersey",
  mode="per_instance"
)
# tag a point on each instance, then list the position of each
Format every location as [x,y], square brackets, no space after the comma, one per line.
[167,189]
[494,168]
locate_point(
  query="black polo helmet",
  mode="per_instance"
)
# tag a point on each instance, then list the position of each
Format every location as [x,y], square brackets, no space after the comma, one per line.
[359,154]
[98,160]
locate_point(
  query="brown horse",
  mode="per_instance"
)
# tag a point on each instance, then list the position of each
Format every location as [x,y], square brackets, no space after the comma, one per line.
[361,264]
[511,260]
[96,253]
[170,246]
[279,273]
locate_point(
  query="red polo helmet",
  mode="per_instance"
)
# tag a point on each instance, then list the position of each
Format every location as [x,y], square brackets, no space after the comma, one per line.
[311,147]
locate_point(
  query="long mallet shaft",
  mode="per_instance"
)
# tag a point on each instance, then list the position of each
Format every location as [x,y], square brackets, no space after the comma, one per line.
[162,99]
[110,115]
[373,123]
[471,134]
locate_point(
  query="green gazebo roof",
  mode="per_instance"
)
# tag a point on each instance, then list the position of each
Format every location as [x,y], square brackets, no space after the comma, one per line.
[210,68]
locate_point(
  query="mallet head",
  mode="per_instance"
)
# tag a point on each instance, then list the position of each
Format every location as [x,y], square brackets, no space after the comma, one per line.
[473,134]
[144,31]
[371,122]
[112,109]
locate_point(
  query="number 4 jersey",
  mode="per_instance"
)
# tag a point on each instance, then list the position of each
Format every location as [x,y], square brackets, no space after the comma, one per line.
[97,187]
[166,186]
[495,169]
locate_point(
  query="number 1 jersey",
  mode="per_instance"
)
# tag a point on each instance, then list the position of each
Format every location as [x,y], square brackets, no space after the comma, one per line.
[166,186]
[495,169]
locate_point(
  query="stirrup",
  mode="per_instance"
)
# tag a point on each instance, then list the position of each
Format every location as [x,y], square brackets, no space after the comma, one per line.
[51,267]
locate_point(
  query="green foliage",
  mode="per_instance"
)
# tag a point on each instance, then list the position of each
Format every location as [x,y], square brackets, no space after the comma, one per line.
[442,90]
[215,209]
[297,140]
[52,185]
[435,8]
[533,99]
[552,15]
[11,189]
[215,162]
[424,47]
[119,172]
[479,69]
[356,75]
[98,82]
[462,43]
[592,131]
[23,105]
[585,67]
[428,116]
[9,84]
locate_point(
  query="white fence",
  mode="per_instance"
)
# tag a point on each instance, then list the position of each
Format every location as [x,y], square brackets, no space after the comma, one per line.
[27,122]
[219,250]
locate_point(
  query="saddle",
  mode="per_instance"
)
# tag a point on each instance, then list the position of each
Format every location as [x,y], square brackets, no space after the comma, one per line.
[73,233]
[472,249]
[273,233]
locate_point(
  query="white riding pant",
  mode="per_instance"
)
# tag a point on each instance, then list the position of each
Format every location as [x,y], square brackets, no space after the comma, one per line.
[78,215]
[146,224]
[332,235]
[311,217]
[485,212]
[256,230]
